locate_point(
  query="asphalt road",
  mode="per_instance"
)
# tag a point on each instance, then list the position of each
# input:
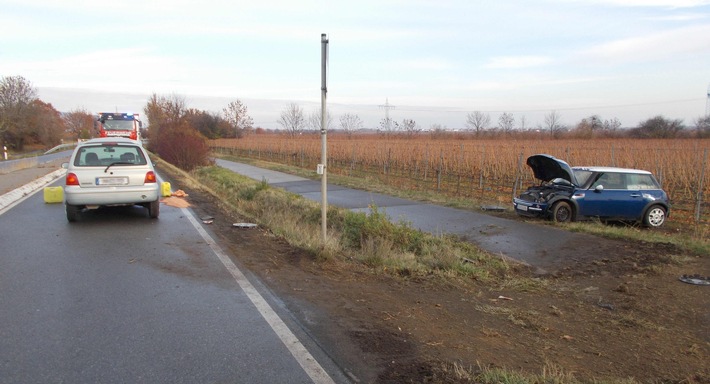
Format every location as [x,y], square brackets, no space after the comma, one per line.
[120,298]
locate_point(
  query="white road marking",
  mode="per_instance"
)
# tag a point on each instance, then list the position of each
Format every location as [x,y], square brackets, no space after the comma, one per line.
[299,352]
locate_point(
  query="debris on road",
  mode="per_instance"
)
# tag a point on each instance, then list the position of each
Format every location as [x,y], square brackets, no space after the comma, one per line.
[244,225]
[492,208]
[695,279]
[176,202]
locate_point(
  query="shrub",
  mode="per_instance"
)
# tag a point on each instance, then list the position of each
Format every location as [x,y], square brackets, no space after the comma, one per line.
[183,147]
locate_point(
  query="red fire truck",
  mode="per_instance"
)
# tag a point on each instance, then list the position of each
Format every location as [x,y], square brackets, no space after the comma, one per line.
[117,124]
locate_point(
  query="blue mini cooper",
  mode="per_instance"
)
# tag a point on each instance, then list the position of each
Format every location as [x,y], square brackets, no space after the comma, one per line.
[576,193]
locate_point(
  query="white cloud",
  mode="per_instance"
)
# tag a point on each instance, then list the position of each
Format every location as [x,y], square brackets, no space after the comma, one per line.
[656,46]
[654,3]
[436,64]
[515,62]
[129,69]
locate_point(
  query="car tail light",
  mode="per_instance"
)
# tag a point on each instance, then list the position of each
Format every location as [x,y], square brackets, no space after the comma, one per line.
[72,179]
[150,178]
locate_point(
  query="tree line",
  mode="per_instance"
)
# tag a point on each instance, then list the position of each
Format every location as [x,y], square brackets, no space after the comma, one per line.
[27,120]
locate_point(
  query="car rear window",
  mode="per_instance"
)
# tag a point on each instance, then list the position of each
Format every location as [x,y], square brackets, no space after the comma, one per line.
[104,155]
[641,181]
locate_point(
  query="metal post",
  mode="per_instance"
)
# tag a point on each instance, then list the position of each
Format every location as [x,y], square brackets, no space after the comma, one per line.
[324,141]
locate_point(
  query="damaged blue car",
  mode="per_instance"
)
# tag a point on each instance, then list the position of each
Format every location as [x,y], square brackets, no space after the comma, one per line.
[577,193]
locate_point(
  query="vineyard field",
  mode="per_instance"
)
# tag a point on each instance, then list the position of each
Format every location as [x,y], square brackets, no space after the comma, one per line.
[492,171]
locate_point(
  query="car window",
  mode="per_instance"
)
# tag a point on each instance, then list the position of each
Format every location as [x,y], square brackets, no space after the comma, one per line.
[582,176]
[102,155]
[611,180]
[641,181]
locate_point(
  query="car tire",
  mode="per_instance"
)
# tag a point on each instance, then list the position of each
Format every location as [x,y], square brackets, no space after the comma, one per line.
[154,209]
[72,212]
[654,217]
[562,212]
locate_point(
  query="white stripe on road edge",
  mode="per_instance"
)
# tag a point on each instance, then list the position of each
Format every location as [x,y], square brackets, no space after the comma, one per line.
[304,358]
[18,195]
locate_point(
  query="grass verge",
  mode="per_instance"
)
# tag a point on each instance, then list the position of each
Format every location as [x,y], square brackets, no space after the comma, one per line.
[368,238]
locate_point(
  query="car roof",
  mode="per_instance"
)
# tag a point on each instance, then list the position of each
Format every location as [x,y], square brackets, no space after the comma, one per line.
[611,169]
[104,140]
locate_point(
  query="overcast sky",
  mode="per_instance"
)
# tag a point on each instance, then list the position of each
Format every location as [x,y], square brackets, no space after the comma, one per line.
[434,61]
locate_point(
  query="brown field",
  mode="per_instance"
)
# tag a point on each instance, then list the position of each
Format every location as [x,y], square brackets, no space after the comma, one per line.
[492,171]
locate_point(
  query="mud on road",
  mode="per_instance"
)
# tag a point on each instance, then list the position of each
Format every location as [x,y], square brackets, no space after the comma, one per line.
[616,309]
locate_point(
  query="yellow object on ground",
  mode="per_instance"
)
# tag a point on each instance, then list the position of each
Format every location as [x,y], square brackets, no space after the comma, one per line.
[165,189]
[53,195]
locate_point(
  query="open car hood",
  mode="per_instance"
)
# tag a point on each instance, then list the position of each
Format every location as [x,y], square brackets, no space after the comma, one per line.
[546,168]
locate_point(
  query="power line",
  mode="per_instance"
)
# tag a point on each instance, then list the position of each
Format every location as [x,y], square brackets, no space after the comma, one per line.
[387,106]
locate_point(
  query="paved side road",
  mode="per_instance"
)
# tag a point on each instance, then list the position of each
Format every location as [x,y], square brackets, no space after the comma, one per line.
[543,247]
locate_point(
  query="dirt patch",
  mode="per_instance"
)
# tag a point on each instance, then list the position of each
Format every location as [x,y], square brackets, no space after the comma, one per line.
[619,313]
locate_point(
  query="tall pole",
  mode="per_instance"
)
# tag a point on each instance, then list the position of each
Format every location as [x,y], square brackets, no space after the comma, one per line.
[324,140]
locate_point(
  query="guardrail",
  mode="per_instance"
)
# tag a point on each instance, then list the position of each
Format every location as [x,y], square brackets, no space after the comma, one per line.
[16,165]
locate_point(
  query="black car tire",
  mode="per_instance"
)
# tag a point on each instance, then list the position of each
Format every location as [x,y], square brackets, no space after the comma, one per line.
[562,212]
[154,209]
[654,217]
[72,212]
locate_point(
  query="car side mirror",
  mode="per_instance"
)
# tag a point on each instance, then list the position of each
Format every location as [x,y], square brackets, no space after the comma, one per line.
[599,188]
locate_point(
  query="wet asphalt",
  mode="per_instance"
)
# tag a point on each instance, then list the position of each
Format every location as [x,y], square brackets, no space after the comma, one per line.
[543,247]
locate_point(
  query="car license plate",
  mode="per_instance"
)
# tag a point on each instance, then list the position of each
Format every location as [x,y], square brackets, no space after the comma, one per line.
[522,207]
[111,181]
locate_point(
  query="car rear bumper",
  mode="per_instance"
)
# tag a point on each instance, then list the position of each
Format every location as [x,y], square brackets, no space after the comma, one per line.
[111,195]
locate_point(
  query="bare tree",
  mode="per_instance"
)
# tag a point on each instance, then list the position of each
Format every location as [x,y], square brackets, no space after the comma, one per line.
[410,128]
[80,123]
[552,122]
[388,126]
[16,98]
[702,126]
[292,120]
[437,131]
[163,112]
[236,115]
[506,122]
[523,123]
[350,124]
[478,121]
[611,125]
[314,120]
[658,127]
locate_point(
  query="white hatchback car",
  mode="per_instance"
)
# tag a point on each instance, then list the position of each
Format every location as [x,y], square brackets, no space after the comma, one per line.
[110,171]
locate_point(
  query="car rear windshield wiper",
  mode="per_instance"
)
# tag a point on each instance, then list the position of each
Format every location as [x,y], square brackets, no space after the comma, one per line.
[116,162]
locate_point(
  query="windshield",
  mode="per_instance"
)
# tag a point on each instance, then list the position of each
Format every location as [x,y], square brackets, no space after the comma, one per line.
[582,176]
[102,155]
[118,125]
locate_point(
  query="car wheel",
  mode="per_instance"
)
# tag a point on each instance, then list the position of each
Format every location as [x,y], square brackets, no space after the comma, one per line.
[154,209]
[654,217]
[562,212]
[72,212]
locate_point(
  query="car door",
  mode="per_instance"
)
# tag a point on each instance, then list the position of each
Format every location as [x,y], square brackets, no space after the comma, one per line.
[609,197]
